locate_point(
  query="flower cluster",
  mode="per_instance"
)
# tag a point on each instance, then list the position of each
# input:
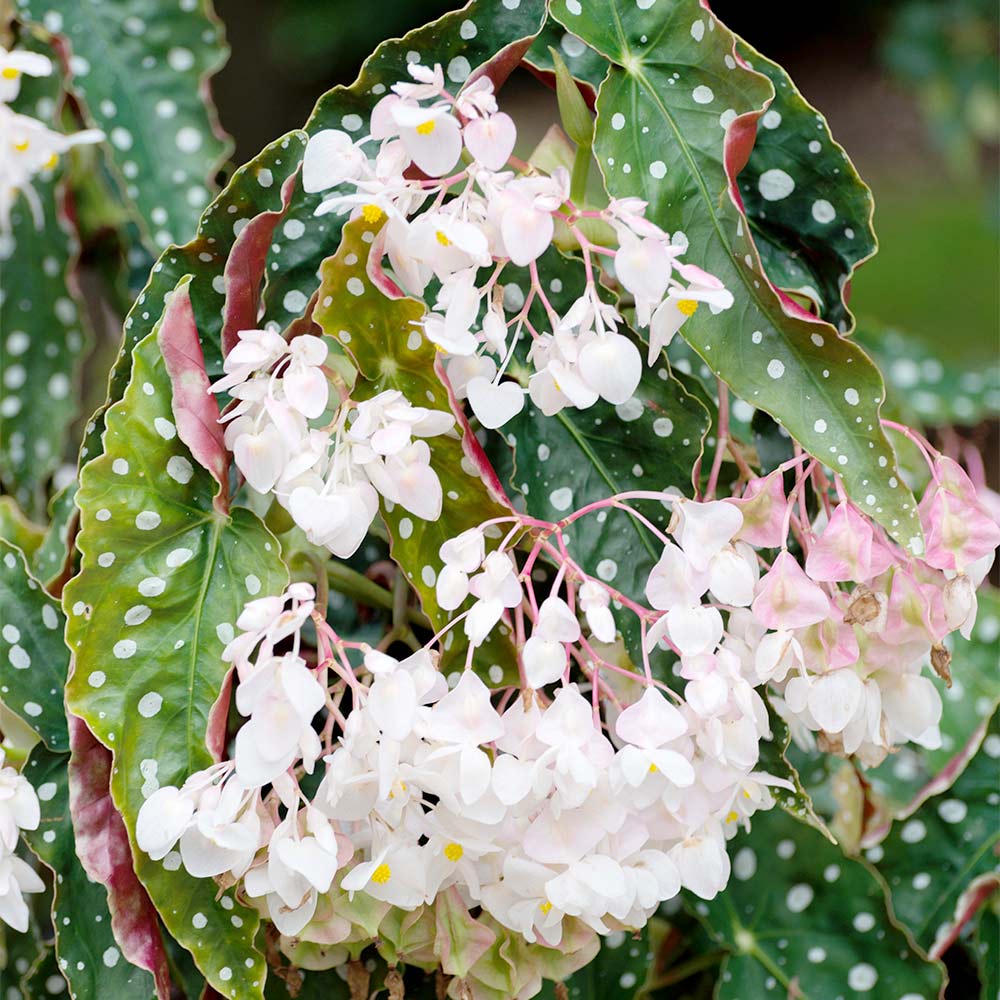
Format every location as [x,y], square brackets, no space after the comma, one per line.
[328,477]
[18,811]
[536,809]
[853,626]
[458,231]
[28,148]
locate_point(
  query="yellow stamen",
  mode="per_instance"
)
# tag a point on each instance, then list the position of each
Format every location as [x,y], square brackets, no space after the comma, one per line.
[382,874]
[653,769]
[453,852]
[442,239]
[732,817]
[21,146]
[545,907]
[51,161]
[372,214]
[9,73]
[425,128]
[687,306]
[746,794]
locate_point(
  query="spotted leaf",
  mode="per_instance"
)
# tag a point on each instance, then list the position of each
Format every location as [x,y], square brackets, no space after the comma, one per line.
[141,69]
[33,657]
[43,334]
[940,864]
[163,576]
[800,917]
[925,390]
[672,79]
[391,353]
[813,236]
[89,956]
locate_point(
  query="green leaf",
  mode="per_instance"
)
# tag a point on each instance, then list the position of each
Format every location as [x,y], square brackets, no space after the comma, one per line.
[302,241]
[800,916]
[987,949]
[18,529]
[671,78]
[940,861]
[813,239]
[774,760]
[461,41]
[52,558]
[928,390]
[163,577]
[141,69]
[89,956]
[391,353]
[564,462]
[43,335]
[33,657]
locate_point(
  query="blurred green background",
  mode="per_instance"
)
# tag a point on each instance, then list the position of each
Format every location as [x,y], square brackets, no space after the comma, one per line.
[910,88]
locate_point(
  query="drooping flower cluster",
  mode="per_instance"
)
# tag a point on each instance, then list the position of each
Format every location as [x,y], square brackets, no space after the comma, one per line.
[28,148]
[456,232]
[535,808]
[854,625]
[18,811]
[328,477]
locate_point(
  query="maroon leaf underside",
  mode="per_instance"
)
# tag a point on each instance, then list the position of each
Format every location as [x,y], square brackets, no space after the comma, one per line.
[196,412]
[103,848]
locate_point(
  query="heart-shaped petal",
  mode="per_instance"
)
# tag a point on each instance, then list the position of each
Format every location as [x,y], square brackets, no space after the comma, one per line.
[494,403]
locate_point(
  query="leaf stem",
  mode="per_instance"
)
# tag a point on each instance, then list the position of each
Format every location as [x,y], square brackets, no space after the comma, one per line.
[581,170]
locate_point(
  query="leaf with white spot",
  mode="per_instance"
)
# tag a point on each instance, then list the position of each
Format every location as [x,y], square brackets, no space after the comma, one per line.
[503,31]
[812,240]
[43,333]
[89,956]
[147,660]
[33,656]
[664,82]
[801,916]
[141,69]
[927,390]
[940,863]
[390,353]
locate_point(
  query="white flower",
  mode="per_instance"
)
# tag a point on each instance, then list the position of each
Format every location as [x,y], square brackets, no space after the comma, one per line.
[17,63]
[544,654]
[496,588]
[331,158]
[16,878]
[594,601]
